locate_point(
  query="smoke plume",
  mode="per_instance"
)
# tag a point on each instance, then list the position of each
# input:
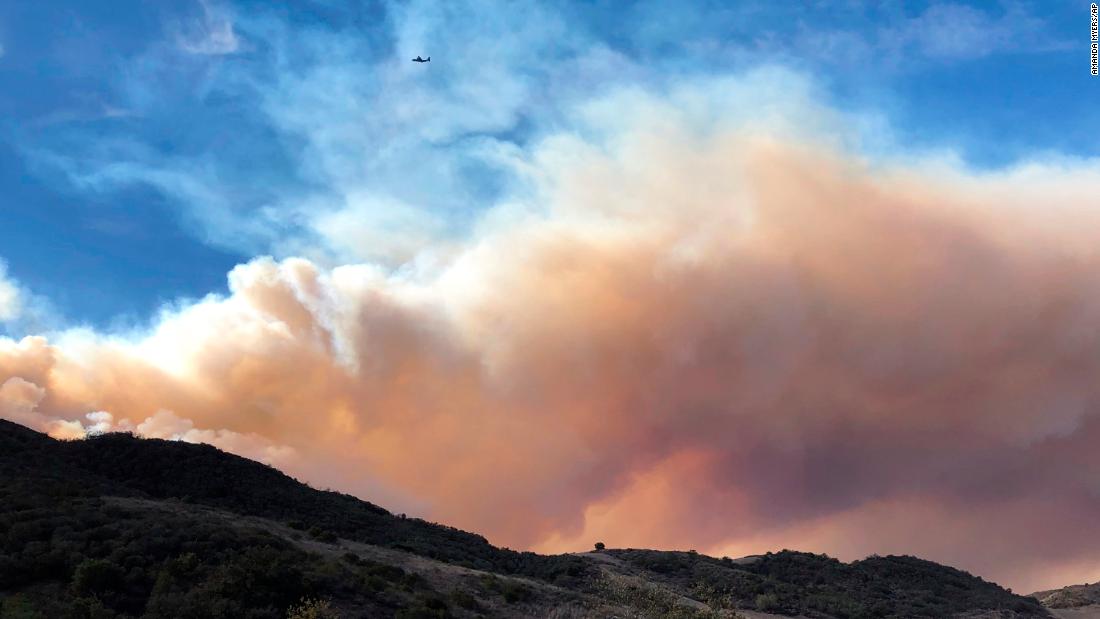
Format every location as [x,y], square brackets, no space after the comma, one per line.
[728,340]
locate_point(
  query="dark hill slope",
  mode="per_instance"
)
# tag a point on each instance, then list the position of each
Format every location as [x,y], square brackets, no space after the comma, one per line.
[123,465]
[15,438]
[118,526]
[795,583]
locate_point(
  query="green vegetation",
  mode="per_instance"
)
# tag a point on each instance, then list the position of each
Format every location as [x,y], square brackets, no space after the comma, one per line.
[313,609]
[117,526]
[651,601]
[796,583]
[96,557]
[203,475]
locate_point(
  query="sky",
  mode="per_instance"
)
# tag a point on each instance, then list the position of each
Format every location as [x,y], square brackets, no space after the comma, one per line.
[726,276]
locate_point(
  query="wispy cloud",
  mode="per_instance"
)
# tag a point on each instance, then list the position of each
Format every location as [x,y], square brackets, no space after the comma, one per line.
[90,111]
[881,37]
[11,302]
[378,156]
[212,34]
[21,310]
[388,155]
[958,32]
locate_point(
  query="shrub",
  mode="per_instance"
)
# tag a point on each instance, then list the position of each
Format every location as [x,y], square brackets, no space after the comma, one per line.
[767,601]
[19,607]
[377,583]
[434,602]
[515,591]
[96,576]
[312,609]
[463,599]
[420,612]
[323,535]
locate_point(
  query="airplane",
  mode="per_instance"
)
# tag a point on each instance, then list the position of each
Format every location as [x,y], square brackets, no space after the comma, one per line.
[419,59]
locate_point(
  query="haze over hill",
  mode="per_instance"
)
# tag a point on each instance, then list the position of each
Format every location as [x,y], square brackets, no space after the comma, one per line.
[114,526]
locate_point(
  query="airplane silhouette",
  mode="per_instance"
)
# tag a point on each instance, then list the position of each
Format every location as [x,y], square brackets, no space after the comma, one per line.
[419,59]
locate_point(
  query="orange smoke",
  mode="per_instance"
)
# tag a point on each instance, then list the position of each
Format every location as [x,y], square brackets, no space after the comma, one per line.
[729,343]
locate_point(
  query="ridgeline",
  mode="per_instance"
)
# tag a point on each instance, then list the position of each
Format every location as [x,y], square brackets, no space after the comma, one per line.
[120,526]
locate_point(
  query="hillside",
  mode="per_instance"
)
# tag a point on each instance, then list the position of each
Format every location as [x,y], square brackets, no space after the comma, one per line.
[119,526]
[1072,602]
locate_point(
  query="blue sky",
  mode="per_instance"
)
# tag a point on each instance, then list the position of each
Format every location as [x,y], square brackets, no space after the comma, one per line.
[147,148]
